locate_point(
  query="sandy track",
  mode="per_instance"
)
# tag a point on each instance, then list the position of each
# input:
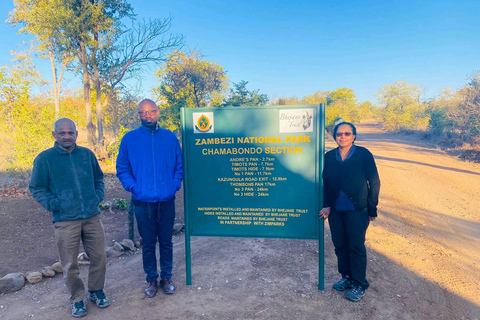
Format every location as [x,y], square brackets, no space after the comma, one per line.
[430,220]
[423,251]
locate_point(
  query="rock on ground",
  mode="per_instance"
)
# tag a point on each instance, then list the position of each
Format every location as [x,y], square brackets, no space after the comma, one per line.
[177,228]
[11,282]
[34,277]
[57,267]
[48,272]
[117,246]
[112,253]
[128,244]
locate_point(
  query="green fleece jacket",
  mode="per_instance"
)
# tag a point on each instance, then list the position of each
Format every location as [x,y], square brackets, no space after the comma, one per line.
[70,185]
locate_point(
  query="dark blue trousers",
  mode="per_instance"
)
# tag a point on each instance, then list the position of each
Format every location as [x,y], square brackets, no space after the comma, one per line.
[348,230]
[155,221]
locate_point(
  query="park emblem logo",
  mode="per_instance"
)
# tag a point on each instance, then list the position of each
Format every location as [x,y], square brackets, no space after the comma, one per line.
[203,122]
[296,120]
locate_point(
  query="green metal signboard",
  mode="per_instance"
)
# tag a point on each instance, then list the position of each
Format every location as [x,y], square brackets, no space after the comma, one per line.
[253,172]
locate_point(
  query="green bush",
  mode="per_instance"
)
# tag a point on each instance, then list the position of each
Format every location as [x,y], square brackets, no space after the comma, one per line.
[120,203]
[117,203]
[115,147]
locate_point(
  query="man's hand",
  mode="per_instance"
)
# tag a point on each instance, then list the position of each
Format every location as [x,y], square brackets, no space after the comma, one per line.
[324,213]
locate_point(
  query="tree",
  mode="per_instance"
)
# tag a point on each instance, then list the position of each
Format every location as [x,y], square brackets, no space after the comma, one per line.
[187,80]
[467,114]
[285,101]
[316,98]
[93,32]
[241,96]
[80,28]
[37,18]
[144,44]
[25,122]
[402,109]
[399,95]
[121,112]
[441,109]
[92,26]
[456,114]
[366,110]
[341,103]
[344,95]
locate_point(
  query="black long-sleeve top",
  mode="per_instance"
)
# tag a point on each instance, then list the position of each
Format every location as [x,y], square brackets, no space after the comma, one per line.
[357,177]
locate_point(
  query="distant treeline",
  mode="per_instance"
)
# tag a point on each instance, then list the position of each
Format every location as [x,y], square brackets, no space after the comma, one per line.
[26,119]
[453,116]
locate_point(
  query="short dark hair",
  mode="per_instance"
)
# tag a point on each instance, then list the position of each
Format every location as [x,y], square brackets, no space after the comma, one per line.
[57,123]
[354,130]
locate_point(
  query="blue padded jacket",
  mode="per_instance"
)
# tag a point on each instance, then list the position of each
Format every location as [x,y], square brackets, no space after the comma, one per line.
[149,164]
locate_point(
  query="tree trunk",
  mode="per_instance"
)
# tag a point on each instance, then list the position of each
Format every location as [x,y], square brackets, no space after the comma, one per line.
[99,108]
[56,93]
[106,103]
[87,96]
[98,89]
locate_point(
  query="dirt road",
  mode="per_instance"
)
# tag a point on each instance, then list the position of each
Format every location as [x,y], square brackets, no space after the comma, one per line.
[424,258]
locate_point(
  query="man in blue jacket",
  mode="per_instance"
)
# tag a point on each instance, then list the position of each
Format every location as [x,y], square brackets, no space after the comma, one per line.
[67,181]
[149,165]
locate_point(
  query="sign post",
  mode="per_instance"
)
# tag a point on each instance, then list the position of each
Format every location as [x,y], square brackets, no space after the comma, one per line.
[253,172]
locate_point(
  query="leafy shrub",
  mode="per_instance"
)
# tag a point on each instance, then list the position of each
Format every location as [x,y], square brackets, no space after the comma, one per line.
[115,147]
[117,203]
[120,203]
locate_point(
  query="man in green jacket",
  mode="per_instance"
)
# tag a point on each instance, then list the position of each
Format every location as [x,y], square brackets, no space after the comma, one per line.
[67,181]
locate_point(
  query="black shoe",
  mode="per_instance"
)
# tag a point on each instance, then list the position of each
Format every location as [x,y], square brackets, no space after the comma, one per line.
[167,286]
[151,289]
[355,294]
[78,309]
[343,284]
[99,298]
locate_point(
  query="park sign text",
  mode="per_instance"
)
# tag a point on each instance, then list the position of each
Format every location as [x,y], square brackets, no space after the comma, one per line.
[253,171]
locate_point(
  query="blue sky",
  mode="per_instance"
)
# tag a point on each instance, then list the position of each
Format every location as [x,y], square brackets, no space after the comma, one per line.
[288,48]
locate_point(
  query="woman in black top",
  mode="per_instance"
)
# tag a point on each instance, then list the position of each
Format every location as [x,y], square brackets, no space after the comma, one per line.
[351,188]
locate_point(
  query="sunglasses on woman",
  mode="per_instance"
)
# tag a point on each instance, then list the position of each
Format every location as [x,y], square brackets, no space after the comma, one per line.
[346,134]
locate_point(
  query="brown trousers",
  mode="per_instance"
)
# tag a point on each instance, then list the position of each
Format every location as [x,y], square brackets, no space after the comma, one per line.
[68,235]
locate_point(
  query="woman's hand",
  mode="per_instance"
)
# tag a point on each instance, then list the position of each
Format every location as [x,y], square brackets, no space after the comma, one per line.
[324,213]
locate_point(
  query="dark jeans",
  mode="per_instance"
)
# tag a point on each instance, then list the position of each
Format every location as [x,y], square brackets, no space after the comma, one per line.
[155,221]
[348,235]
